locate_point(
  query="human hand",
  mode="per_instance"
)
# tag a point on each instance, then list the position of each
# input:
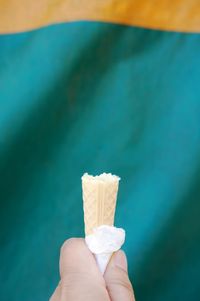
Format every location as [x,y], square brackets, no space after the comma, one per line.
[81,279]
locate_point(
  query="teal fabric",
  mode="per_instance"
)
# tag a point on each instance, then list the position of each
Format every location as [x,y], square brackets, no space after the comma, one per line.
[95,97]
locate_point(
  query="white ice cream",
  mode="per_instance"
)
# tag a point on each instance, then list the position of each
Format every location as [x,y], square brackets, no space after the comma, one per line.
[103,242]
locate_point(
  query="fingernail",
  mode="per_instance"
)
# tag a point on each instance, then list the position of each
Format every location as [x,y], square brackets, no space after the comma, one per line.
[120,260]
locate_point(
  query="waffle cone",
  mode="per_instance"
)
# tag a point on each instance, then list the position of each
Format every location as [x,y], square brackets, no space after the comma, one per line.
[99,200]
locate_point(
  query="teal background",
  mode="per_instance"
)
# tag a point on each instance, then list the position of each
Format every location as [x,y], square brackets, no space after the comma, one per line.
[94,97]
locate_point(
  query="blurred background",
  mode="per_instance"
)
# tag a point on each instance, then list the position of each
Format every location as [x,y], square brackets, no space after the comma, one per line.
[100,87]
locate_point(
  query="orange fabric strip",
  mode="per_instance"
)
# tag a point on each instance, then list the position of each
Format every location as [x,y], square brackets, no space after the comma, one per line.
[176,15]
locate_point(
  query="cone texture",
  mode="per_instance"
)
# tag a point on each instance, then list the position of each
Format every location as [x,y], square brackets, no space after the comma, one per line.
[99,200]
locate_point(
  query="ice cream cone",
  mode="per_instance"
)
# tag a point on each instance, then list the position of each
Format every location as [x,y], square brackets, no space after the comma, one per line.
[99,200]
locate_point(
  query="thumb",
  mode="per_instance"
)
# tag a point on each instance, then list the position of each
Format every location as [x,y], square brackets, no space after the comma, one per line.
[80,277]
[117,281]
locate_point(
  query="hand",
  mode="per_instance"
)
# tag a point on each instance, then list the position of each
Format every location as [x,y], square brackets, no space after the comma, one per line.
[81,279]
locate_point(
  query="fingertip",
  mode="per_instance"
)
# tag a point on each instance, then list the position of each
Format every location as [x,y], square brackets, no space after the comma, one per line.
[72,244]
[71,254]
[119,259]
[75,256]
[79,273]
[117,280]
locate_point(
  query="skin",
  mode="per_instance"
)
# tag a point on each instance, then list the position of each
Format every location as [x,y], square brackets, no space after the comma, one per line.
[81,279]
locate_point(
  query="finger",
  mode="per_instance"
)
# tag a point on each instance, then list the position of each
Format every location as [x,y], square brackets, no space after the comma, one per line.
[80,276]
[57,293]
[118,284]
